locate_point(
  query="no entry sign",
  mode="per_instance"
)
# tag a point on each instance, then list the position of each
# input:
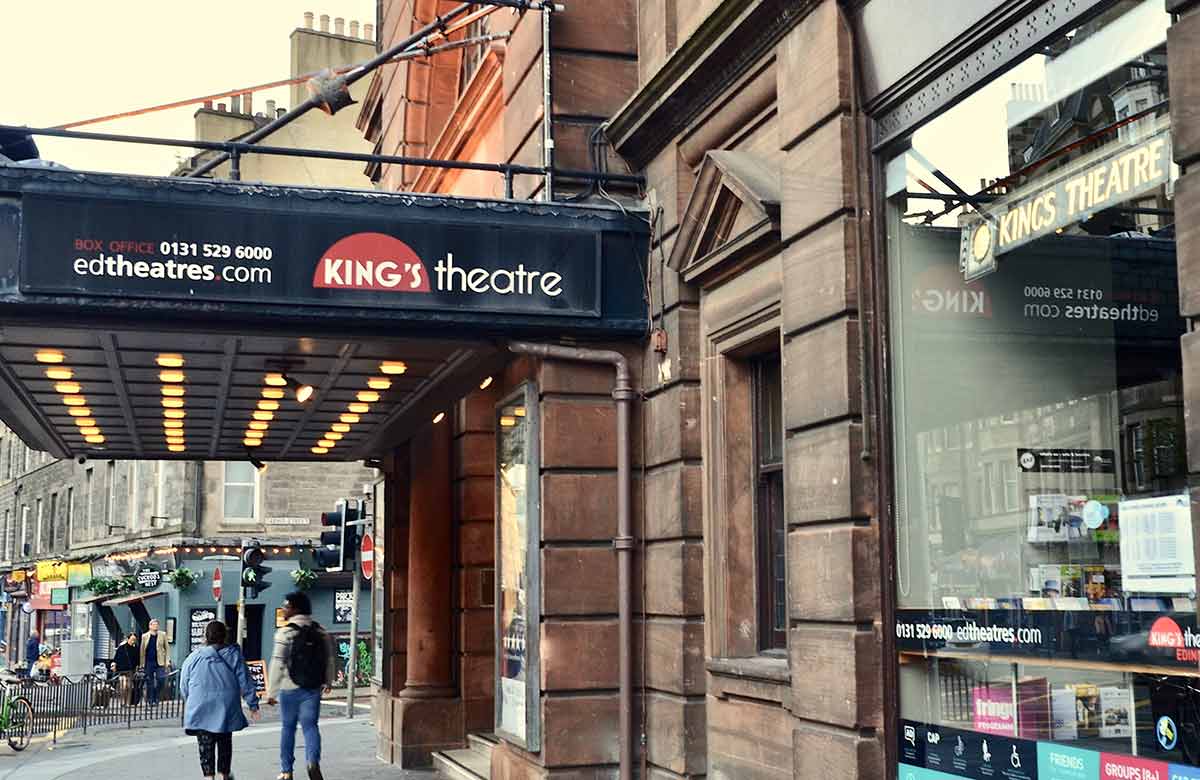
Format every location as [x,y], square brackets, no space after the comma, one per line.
[367,556]
[216,584]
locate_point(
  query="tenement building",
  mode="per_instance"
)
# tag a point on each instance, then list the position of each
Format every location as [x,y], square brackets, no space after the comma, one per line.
[911,474]
[759,388]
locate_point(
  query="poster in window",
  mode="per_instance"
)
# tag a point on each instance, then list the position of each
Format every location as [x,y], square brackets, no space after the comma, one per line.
[378,594]
[517,575]
[1156,545]
[341,661]
[343,605]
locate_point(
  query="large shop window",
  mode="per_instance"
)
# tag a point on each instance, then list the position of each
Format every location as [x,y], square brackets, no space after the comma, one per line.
[1046,582]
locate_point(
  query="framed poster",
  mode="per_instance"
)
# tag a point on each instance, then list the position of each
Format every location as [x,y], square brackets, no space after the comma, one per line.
[378,590]
[341,661]
[518,579]
[343,605]
[198,620]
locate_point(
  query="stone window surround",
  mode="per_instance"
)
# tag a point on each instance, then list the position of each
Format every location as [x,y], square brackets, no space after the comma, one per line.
[258,501]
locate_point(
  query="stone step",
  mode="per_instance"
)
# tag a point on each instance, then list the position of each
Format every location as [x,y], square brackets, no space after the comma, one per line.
[465,764]
[482,743]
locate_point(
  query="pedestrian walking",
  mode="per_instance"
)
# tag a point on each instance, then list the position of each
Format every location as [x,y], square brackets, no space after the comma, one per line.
[33,650]
[301,669]
[124,667]
[154,661]
[214,682]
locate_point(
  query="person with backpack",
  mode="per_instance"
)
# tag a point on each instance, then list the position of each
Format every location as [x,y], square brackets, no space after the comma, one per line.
[214,681]
[302,667]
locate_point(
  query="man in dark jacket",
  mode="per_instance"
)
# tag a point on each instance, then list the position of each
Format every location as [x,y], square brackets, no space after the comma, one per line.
[33,649]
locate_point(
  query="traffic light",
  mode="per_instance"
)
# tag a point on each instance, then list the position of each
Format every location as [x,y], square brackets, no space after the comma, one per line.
[254,574]
[338,544]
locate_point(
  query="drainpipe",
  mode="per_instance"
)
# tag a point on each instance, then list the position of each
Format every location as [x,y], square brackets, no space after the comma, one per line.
[547,116]
[623,543]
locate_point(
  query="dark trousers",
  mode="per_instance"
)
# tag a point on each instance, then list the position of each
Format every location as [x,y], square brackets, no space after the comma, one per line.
[154,678]
[218,746]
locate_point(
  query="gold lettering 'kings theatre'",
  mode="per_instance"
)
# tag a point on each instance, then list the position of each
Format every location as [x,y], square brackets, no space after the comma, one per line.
[1114,174]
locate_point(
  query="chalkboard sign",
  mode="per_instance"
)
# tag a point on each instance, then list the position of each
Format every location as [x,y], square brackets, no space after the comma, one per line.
[258,673]
[199,620]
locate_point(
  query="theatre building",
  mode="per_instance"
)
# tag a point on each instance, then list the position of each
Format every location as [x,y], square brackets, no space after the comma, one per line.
[857,439]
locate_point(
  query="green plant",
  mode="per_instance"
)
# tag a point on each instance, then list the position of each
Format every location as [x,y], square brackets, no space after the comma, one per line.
[111,586]
[304,578]
[182,578]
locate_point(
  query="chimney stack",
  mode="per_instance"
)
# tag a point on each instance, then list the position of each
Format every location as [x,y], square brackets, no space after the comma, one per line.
[271,108]
[280,112]
[308,20]
[369,32]
[235,104]
[353,28]
[221,107]
[248,102]
[324,22]
[208,104]
[339,26]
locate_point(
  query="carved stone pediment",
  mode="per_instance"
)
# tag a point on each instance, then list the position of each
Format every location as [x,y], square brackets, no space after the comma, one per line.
[732,216]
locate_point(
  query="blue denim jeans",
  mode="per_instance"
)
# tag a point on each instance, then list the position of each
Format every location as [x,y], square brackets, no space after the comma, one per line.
[154,680]
[303,706]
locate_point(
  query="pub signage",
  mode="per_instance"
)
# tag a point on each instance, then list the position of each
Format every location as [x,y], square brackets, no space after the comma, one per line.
[112,247]
[1114,174]
[148,579]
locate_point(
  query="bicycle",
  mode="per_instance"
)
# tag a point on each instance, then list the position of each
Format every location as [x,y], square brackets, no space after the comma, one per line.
[16,717]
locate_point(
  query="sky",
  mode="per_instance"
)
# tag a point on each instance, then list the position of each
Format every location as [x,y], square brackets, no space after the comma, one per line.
[71,60]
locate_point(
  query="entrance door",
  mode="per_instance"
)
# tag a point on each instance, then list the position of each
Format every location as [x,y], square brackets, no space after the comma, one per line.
[252,648]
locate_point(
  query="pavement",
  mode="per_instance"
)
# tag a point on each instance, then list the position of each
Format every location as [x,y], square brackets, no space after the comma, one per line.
[163,750]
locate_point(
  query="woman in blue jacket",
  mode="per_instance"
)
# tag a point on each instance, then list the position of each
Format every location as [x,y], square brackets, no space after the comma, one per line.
[213,679]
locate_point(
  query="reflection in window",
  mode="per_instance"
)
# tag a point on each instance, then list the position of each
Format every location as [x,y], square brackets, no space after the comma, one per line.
[241,491]
[1055,600]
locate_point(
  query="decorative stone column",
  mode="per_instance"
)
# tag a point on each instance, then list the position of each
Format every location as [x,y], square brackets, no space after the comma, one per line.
[429,711]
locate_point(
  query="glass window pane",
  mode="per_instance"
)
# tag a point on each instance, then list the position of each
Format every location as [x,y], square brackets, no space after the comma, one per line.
[1045,569]
[239,501]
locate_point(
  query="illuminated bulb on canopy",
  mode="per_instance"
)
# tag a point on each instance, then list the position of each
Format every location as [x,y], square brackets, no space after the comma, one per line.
[275,380]
[319,450]
[175,440]
[67,388]
[340,427]
[169,360]
[173,391]
[379,383]
[171,377]
[272,392]
[349,418]
[367,396]
[507,421]
[174,414]
[333,436]
[326,443]
[93,431]
[59,372]
[95,439]
[84,422]
[172,424]
[437,418]
[269,406]
[172,403]
[49,356]
[393,367]
[358,408]
[258,425]
[519,411]
[260,414]
[251,442]
[74,400]
[485,384]
[176,447]
[79,411]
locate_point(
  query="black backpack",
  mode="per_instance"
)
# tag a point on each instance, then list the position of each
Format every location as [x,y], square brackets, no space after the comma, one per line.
[308,657]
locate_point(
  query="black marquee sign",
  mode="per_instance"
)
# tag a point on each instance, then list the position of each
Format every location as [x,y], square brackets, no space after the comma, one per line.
[112,242]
